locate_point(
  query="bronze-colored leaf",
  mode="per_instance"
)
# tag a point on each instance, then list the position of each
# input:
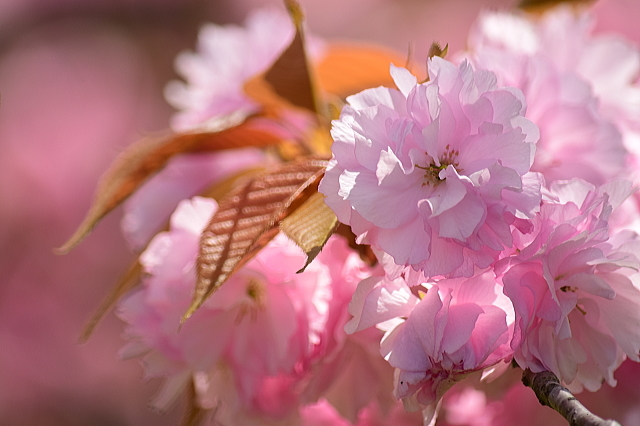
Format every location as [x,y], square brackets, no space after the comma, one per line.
[540,6]
[146,157]
[248,218]
[310,226]
[290,79]
[222,187]
[132,277]
[129,281]
[346,69]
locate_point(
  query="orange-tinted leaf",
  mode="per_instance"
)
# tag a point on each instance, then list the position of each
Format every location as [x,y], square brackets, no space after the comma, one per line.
[146,157]
[310,226]
[130,280]
[289,150]
[289,80]
[320,140]
[350,68]
[248,218]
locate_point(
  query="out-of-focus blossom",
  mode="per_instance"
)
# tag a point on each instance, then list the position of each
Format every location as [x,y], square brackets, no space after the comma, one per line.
[507,401]
[211,98]
[454,328]
[323,414]
[226,59]
[469,407]
[577,87]
[150,207]
[259,340]
[517,404]
[574,289]
[608,63]
[227,56]
[435,173]
[617,17]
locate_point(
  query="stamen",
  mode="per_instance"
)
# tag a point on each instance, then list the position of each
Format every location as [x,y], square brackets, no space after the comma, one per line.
[432,171]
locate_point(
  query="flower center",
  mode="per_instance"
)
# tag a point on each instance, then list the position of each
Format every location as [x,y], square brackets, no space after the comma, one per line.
[256,293]
[432,171]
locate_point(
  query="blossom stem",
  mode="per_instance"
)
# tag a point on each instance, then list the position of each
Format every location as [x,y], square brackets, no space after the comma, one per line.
[552,394]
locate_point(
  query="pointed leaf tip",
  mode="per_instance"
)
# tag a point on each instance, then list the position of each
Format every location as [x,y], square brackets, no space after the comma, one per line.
[129,281]
[290,80]
[310,226]
[188,314]
[295,11]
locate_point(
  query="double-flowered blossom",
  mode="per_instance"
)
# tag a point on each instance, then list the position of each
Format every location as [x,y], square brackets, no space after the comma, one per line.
[264,343]
[435,174]
[490,194]
[213,93]
[575,289]
[578,87]
[226,57]
[438,332]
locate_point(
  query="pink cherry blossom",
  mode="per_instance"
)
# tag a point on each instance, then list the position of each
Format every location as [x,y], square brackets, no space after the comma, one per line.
[150,207]
[575,289]
[264,343]
[515,404]
[213,98]
[324,413]
[226,57]
[435,173]
[507,402]
[607,62]
[469,406]
[438,333]
[570,92]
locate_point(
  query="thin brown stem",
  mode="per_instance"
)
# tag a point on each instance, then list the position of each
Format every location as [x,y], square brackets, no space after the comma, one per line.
[551,393]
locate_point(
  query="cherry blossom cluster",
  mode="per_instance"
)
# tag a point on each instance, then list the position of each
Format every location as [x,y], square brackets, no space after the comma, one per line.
[268,341]
[497,195]
[495,179]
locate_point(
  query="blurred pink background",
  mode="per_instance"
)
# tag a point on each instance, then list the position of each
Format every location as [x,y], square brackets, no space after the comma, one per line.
[79,81]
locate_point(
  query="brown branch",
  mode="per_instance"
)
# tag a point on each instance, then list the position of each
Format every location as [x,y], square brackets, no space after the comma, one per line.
[551,393]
